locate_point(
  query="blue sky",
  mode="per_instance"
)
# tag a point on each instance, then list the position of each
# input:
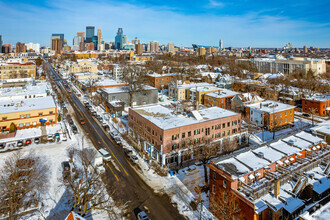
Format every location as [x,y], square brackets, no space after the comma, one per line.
[239,23]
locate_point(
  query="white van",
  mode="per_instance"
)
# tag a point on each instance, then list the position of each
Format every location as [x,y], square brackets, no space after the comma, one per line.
[105,154]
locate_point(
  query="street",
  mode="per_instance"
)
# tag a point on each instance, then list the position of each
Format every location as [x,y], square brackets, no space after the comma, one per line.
[122,181]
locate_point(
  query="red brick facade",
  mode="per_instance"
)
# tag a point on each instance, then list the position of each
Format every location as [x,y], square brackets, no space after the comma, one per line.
[316,107]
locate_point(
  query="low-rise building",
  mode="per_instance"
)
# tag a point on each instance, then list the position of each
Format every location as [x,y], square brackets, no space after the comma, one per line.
[222,98]
[274,181]
[26,113]
[196,94]
[239,101]
[82,66]
[21,93]
[85,76]
[161,81]
[149,95]
[94,85]
[10,70]
[178,89]
[85,55]
[323,129]
[270,114]
[318,104]
[167,135]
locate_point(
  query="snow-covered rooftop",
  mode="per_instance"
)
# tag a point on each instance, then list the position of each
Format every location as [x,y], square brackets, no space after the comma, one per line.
[102,82]
[271,106]
[284,147]
[164,117]
[204,88]
[10,106]
[223,93]
[309,137]
[121,89]
[269,153]
[17,92]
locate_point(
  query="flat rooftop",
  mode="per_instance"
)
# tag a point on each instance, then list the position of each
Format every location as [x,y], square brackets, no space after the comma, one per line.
[270,106]
[10,106]
[121,89]
[102,82]
[8,93]
[223,93]
[164,117]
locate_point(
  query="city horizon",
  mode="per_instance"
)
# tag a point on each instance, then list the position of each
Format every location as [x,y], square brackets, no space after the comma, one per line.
[182,26]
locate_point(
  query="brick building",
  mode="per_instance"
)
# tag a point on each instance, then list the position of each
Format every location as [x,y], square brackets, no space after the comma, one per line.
[270,114]
[26,113]
[222,98]
[167,135]
[196,94]
[17,70]
[318,104]
[179,90]
[272,181]
[160,81]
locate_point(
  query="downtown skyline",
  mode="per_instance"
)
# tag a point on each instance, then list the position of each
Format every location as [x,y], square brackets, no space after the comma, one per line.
[238,24]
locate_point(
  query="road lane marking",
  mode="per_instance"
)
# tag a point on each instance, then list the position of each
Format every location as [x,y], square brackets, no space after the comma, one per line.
[113,172]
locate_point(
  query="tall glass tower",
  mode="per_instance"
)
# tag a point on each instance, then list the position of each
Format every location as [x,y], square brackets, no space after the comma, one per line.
[118,39]
[89,33]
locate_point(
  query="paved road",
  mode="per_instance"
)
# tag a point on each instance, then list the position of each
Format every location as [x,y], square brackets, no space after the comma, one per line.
[121,178]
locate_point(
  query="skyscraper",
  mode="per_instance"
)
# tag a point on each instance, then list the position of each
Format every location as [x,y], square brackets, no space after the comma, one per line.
[61,36]
[6,48]
[57,45]
[90,30]
[119,39]
[170,47]
[154,46]
[220,45]
[82,35]
[94,40]
[76,42]
[0,42]
[305,49]
[20,47]
[99,35]
[135,41]
[138,49]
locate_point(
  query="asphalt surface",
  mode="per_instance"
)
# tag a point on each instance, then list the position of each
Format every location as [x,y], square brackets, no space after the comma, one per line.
[121,178]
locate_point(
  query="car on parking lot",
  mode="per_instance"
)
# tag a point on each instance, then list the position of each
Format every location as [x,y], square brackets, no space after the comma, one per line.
[74,129]
[37,140]
[71,122]
[94,113]
[50,137]
[100,119]
[134,158]
[128,151]
[2,145]
[306,114]
[142,216]
[113,134]
[19,143]
[28,141]
[105,126]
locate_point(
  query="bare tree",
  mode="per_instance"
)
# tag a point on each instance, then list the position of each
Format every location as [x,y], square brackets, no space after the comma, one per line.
[228,145]
[23,179]
[85,184]
[90,85]
[135,79]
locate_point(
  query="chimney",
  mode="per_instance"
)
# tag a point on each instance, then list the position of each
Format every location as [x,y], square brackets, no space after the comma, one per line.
[260,105]
[277,185]
[219,91]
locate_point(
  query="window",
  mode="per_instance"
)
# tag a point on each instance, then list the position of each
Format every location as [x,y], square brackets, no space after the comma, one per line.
[228,132]
[197,131]
[223,125]
[175,136]
[183,144]
[214,176]
[160,138]
[217,135]
[189,133]
[40,114]
[225,196]
[286,120]
[271,117]
[153,132]
[225,184]
[228,124]
[223,134]
[251,112]
[4,118]
[217,127]
[51,112]
[21,116]
[27,124]
[213,188]
[175,146]
[21,125]
[183,135]
[234,123]
[28,115]
[236,205]
[286,113]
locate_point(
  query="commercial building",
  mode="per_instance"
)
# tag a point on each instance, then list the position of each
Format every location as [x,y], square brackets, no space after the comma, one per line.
[90,30]
[99,36]
[93,85]
[6,48]
[27,113]
[120,39]
[57,45]
[168,135]
[222,98]
[56,36]
[17,70]
[138,49]
[135,41]
[220,45]
[82,35]
[154,46]
[277,180]
[170,47]
[160,81]
[76,43]
[90,46]
[85,76]
[20,47]
[270,114]
[318,104]
[33,47]
[24,92]
[149,95]
[287,65]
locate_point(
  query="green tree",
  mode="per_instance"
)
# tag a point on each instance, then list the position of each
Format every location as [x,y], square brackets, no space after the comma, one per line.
[12,128]
[59,118]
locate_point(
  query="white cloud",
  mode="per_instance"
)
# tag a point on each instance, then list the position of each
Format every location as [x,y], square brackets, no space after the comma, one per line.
[216,4]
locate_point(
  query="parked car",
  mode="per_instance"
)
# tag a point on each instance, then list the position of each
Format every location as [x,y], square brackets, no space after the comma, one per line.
[74,129]
[105,126]
[142,216]
[306,114]
[100,119]
[128,151]
[113,134]
[28,141]
[50,138]
[2,145]
[37,140]
[66,166]
[71,122]
[118,140]
[134,158]
[64,137]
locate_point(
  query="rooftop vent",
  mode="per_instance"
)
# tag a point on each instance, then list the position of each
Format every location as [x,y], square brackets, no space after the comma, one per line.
[260,154]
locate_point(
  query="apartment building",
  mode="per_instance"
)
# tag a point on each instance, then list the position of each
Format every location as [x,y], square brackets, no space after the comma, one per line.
[287,65]
[26,92]
[270,114]
[161,81]
[82,66]
[178,89]
[81,55]
[222,98]
[9,70]
[318,104]
[167,135]
[89,85]
[27,113]
[274,181]
[85,76]
[197,94]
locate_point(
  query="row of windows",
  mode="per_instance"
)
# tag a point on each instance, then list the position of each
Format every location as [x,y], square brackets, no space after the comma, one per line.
[27,115]
[21,125]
